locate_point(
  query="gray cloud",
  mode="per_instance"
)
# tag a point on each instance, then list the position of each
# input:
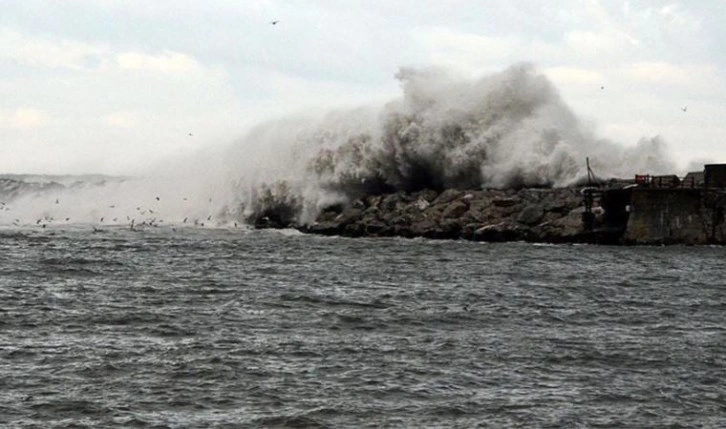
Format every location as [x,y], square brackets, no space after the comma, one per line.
[63,60]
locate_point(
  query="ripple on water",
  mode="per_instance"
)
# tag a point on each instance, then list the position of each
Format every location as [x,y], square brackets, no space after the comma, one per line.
[203,329]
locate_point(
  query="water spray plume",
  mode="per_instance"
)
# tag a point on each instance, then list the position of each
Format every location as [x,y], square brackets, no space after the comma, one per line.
[509,129]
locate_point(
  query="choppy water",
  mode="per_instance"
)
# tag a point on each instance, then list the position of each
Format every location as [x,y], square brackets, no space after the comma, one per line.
[213,328]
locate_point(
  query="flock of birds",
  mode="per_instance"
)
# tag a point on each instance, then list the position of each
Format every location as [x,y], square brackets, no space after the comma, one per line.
[150,218]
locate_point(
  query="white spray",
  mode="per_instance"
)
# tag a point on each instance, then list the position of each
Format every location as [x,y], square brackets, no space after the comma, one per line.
[510,129]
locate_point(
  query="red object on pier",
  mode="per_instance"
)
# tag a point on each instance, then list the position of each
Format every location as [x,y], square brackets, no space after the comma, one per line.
[642,179]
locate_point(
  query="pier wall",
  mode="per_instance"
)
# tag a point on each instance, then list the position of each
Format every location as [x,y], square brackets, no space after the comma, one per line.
[670,216]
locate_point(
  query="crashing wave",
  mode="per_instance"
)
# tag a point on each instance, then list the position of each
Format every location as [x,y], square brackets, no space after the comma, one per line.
[507,130]
[510,129]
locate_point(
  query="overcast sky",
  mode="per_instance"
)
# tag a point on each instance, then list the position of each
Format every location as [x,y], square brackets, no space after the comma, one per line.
[110,86]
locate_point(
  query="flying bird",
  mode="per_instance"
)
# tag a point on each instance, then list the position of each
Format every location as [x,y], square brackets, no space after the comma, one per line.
[684,108]
[602,87]
[275,22]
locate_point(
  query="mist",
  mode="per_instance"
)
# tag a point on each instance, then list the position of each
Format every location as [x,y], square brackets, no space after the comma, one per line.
[509,129]
[506,130]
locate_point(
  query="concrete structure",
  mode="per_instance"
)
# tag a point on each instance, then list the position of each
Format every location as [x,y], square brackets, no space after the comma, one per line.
[715,175]
[665,216]
[666,210]
[694,179]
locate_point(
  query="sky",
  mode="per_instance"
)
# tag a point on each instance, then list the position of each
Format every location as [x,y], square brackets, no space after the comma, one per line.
[116,86]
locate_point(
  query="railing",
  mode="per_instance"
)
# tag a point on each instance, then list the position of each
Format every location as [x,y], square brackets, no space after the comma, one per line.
[667,182]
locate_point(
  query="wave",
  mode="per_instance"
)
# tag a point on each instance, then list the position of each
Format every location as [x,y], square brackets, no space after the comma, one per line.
[506,130]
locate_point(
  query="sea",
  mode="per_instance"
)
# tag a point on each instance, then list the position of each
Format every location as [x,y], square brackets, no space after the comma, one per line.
[237,328]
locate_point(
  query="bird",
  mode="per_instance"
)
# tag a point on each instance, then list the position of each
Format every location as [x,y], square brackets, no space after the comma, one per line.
[684,108]
[191,135]
[185,220]
[275,22]
[157,198]
[56,201]
[602,87]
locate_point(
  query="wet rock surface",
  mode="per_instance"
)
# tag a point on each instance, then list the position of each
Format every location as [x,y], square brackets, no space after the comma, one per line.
[536,215]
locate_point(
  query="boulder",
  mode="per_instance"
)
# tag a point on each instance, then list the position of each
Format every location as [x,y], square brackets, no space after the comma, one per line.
[455,210]
[427,195]
[350,214]
[448,196]
[531,215]
[568,228]
[544,215]
[505,201]
[423,228]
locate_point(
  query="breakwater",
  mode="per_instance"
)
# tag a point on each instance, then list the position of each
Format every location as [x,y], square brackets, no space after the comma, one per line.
[630,215]
[536,215]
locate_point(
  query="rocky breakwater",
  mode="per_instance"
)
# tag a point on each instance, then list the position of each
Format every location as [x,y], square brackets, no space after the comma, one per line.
[536,215]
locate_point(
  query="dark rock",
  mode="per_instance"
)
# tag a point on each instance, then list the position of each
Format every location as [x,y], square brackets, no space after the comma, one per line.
[486,215]
[373,200]
[323,228]
[455,210]
[505,201]
[531,215]
[391,202]
[562,202]
[448,196]
[350,214]
[563,230]
[424,228]
[358,204]
[377,228]
[427,195]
